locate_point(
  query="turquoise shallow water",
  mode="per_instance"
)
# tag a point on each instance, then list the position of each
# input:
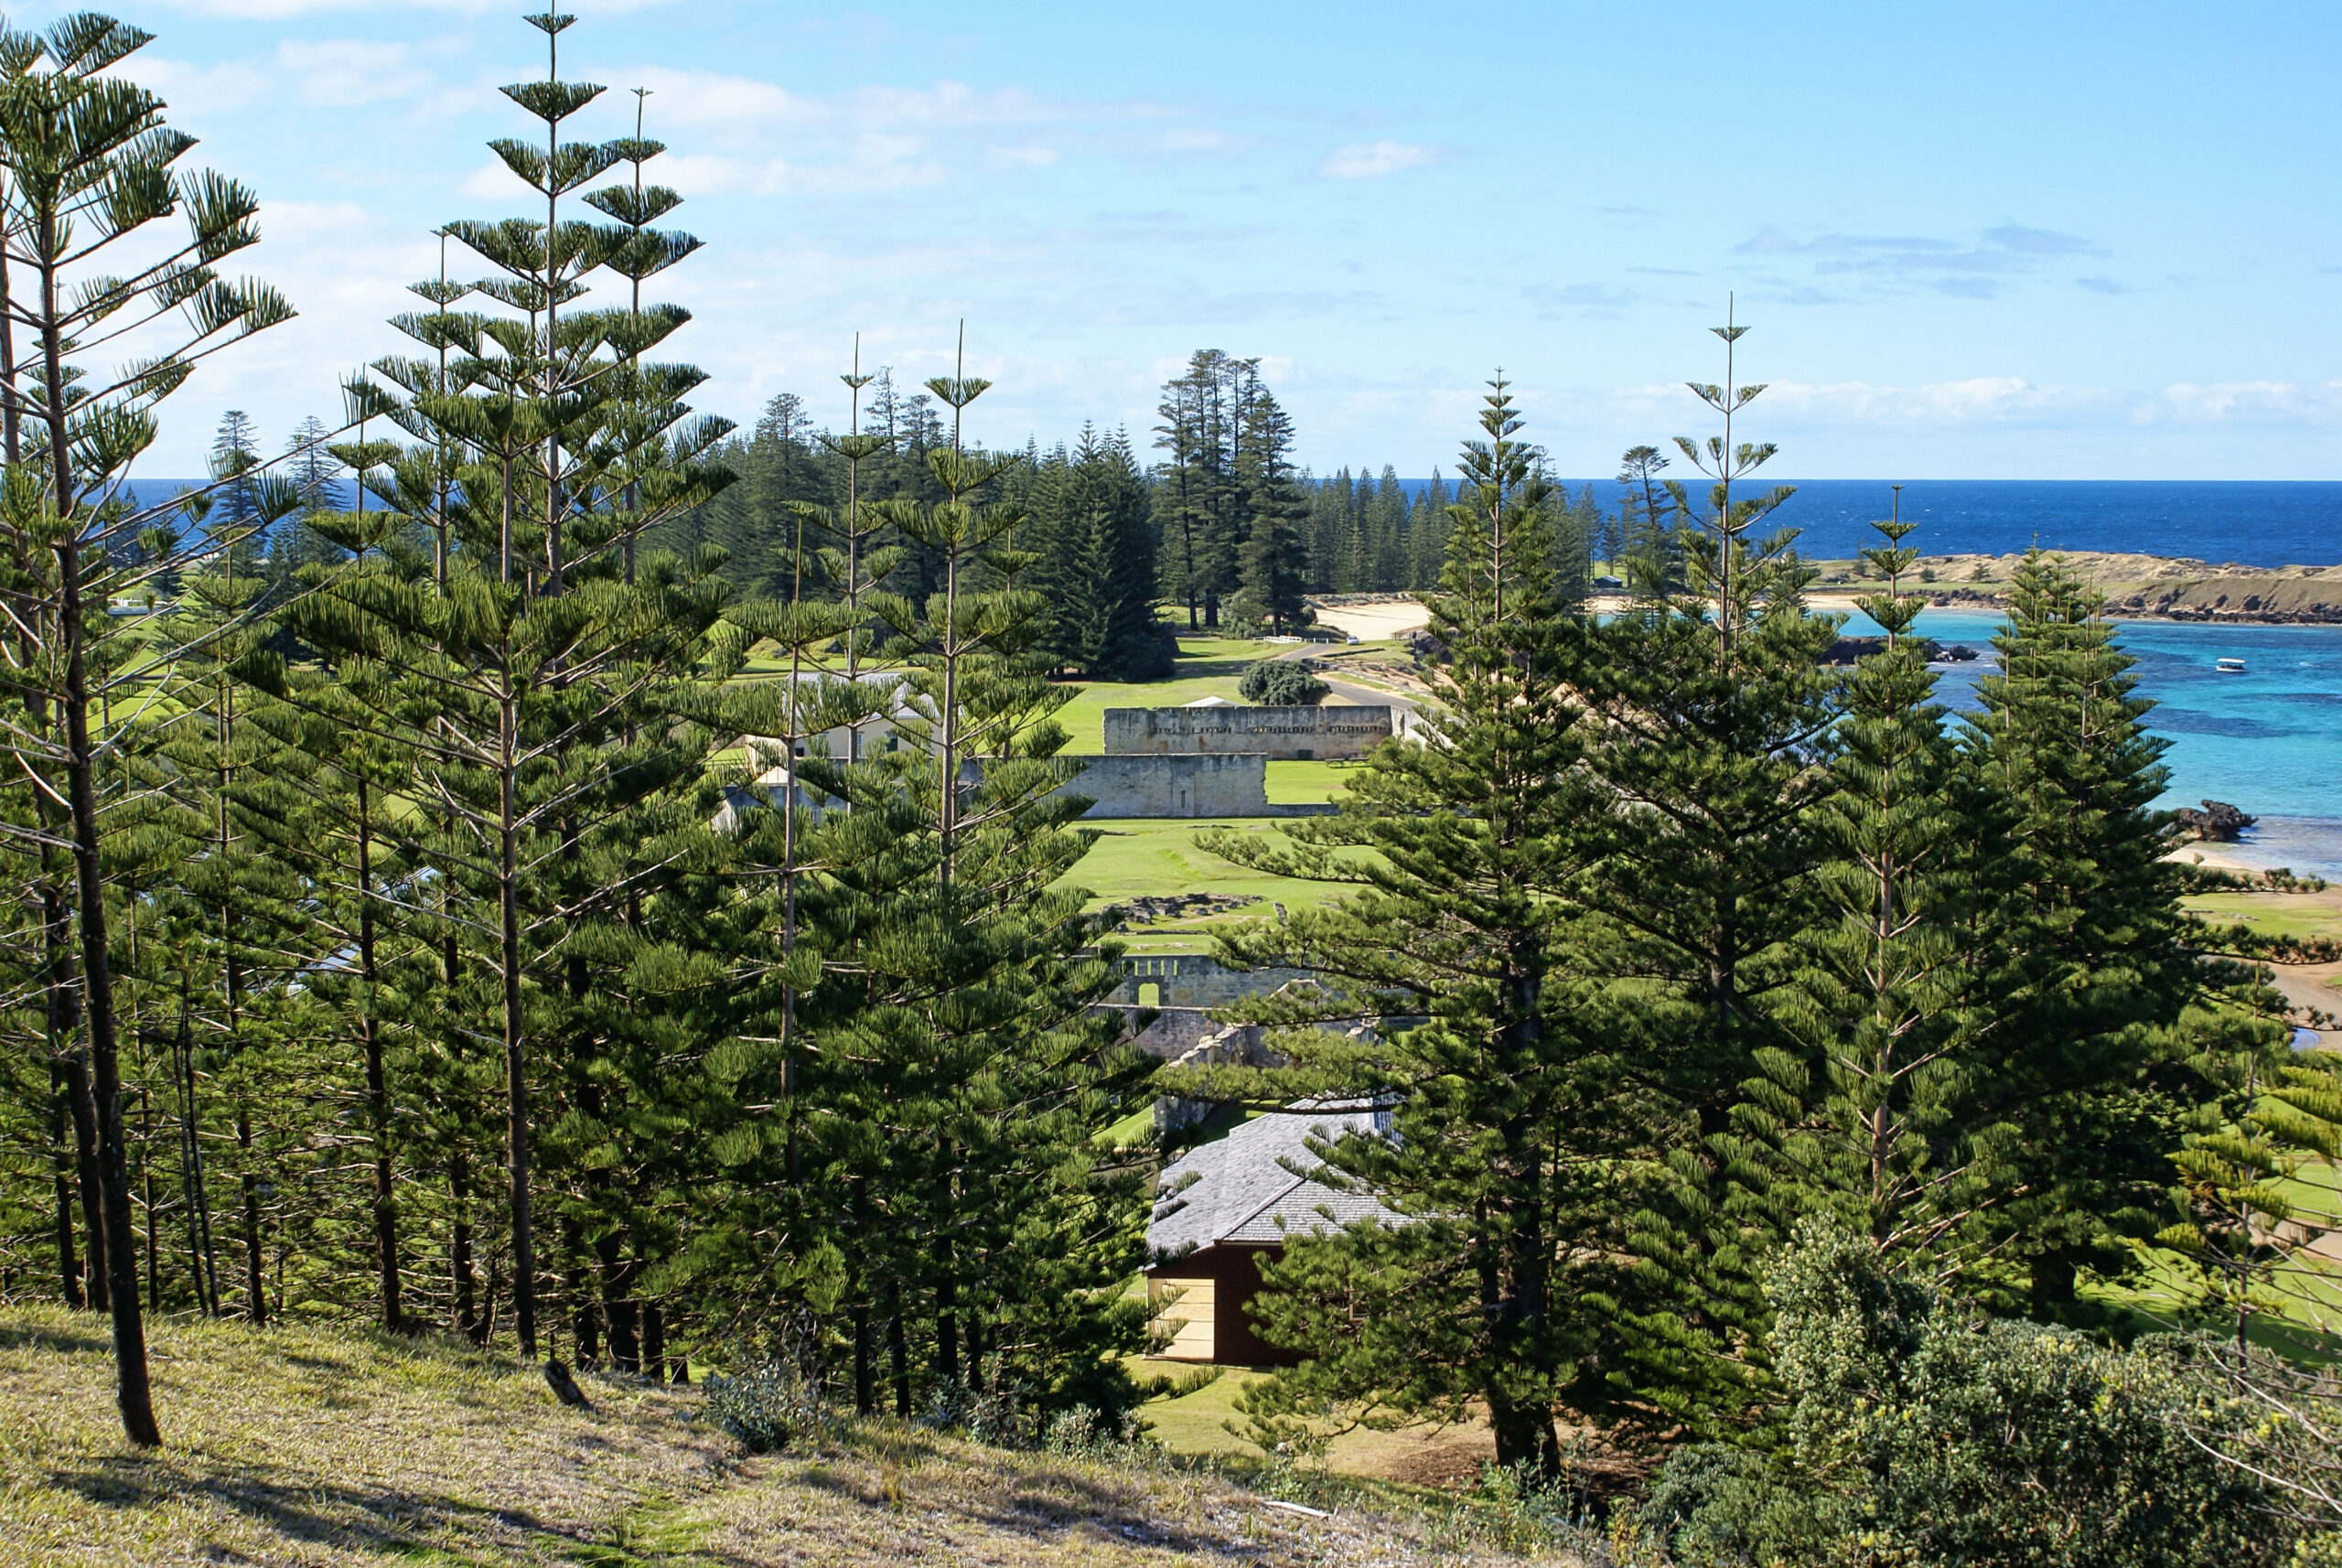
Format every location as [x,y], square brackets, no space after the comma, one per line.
[2269,740]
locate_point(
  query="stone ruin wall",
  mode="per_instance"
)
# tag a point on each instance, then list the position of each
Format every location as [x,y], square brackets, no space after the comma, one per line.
[1183,786]
[1280,733]
[1191,979]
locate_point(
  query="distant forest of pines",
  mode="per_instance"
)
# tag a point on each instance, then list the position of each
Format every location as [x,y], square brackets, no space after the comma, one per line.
[1220,525]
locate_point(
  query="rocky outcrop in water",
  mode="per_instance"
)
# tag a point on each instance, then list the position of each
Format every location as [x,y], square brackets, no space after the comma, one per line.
[2218,823]
[1846,649]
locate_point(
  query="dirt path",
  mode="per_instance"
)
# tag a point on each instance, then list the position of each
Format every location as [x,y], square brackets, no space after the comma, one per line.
[2309,988]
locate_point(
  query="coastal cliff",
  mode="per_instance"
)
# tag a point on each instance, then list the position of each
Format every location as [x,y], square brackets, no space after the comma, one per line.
[2166,587]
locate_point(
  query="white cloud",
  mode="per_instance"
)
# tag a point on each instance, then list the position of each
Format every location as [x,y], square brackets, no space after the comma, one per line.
[346,71]
[285,10]
[491,181]
[2243,403]
[1371,160]
[1962,268]
[315,222]
[877,139]
[713,101]
[1971,400]
[200,90]
[2014,402]
[1591,300]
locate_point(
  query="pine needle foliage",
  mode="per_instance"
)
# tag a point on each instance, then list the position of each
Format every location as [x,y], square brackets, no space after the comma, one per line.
[1501,1211]
[1873,1109]
[90,168]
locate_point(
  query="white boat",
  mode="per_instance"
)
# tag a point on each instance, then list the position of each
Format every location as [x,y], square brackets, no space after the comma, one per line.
[2228,666]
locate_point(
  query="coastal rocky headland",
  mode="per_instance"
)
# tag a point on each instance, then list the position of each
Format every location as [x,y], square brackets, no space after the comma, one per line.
[2166,587]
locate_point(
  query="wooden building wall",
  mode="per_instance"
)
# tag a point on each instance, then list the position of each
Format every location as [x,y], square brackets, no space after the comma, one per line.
[1218,1282]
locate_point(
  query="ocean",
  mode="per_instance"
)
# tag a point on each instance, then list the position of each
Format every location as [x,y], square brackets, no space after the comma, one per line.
[2268,740]
[2252,523]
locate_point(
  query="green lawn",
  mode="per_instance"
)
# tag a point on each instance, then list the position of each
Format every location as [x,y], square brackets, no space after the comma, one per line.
[1193,1415]
[1206,668]
[1136,857]
[2273,914]
[2301,1318]
[1306,783]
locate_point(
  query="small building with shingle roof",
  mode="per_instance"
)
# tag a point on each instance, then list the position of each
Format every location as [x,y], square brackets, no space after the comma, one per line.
[1225,1206]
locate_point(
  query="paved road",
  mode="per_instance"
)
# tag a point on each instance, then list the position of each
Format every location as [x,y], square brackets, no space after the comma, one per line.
[1351,692]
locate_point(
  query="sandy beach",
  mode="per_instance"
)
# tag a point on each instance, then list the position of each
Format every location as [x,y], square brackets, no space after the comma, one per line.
[1375,619]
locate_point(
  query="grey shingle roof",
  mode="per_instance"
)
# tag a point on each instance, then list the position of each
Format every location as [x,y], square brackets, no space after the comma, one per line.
[1244,1191]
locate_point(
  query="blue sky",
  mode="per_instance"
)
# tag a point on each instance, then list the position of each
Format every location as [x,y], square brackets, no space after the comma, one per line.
[1976,241]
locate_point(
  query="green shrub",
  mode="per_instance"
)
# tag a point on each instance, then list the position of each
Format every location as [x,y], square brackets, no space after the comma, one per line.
[1278,683]
[1079,1433]
[764,1407]
[1919,1434]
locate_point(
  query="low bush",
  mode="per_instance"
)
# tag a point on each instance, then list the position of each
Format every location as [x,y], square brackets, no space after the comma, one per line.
[1081,1433]
[1001,1417]
[1279,683]
[1916,1433]
[765,1407]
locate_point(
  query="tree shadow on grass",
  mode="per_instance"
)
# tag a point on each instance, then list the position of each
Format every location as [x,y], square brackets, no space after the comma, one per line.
[41,1336]
[300,1509]
[1057,1501]
[1049,1500]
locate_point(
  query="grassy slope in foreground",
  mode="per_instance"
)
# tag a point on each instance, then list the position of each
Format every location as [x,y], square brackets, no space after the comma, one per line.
[307,1446]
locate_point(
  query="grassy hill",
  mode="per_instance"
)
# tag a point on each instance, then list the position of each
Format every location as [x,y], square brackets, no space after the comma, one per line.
[308,1446]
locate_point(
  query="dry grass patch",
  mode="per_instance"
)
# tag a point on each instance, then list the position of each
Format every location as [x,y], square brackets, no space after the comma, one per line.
[305,1445]
[300,1446]
[913,1496]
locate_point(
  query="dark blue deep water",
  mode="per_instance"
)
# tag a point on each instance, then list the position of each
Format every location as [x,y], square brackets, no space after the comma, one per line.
[2257,522]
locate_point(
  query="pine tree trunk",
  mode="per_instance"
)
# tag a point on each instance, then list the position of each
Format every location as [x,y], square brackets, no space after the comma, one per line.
[204,1256]
[585,1325]
[865,1398]
[946,1288]
[516,1087]
[621,1315]
[132,1392]
[146,1179]
[1526,1429]
[255,1266]
[180,1080]
[898,1351]
[73,1062]
[459,1247]
[654,1342]
[85,1158]
[377,1095]
[947,1333]
[69,1268]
